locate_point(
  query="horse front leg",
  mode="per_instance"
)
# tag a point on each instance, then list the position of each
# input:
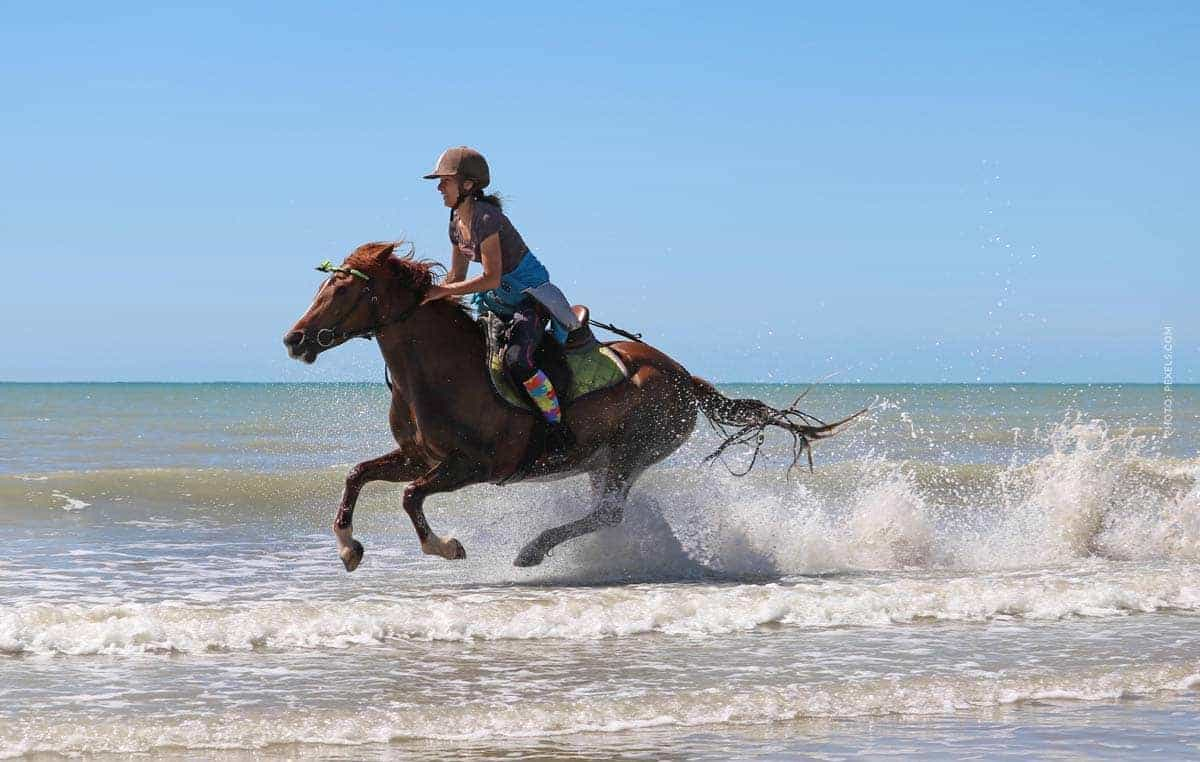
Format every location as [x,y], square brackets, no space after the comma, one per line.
[397,466]
[454,472]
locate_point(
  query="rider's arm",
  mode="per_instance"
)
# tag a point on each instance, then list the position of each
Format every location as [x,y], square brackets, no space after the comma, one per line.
[493,264]
[458,266]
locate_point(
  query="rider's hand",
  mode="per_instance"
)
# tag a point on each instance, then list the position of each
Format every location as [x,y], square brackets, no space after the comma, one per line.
[434,293]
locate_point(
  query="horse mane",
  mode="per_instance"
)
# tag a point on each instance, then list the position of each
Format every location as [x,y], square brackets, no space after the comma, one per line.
[378,259]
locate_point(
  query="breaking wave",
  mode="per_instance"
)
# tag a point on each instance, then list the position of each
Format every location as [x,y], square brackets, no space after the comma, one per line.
[585,614]
[469,721]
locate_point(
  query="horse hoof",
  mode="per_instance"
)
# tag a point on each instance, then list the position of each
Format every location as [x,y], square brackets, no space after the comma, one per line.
[457,551]
[530,555]
[352,555]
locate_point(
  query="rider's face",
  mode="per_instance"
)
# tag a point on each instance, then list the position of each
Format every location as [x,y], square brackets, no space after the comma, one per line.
[451,190]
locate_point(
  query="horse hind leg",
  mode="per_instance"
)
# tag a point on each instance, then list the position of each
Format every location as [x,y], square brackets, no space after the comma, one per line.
[611,488]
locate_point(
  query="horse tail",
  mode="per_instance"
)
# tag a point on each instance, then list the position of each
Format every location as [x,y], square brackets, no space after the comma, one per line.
[750,418]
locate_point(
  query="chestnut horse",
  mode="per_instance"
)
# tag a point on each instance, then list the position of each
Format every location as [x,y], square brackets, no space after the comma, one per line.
[453,430]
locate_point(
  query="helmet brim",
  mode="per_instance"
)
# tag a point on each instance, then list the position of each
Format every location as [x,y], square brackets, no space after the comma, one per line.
[437,176]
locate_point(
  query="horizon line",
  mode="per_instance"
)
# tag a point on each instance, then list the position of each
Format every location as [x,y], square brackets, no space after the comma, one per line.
[732,383]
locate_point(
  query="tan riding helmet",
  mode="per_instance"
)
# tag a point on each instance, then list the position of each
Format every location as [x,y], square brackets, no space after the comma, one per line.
[463,162]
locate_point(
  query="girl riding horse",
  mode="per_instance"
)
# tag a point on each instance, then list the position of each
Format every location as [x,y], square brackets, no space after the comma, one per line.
[481,232]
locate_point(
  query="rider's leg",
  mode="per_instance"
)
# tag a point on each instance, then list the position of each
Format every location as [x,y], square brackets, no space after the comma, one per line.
[541,391]
[525,332]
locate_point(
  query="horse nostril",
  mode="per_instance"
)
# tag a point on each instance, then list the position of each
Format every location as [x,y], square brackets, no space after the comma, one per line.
[294,339]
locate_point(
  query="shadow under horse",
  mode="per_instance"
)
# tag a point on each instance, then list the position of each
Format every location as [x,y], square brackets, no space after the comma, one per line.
[454,431]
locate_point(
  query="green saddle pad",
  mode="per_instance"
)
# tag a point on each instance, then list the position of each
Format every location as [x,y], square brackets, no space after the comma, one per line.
[593,368]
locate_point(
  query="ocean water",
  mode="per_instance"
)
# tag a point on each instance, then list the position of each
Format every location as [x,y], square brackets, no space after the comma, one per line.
[972,571]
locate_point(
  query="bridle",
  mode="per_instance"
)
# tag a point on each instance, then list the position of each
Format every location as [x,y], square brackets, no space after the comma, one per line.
[327,337]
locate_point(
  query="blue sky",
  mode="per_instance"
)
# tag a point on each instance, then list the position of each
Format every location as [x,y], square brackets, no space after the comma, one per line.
[897,192]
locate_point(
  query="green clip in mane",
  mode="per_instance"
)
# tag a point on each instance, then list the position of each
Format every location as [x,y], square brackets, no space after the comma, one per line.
[328,267]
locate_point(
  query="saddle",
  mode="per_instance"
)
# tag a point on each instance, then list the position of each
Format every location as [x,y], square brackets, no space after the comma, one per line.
[577,368]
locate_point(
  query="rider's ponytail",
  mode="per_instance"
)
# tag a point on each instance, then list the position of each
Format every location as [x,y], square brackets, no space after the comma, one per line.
[494,199]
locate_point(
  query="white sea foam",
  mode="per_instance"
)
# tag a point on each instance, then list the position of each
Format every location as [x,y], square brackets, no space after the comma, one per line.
[70,503]
[482,720]
[583,614]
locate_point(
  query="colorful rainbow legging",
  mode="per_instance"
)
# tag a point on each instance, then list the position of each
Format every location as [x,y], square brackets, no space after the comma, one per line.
[541,391]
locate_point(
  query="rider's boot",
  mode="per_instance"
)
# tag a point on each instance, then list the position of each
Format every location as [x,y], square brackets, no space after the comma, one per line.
[559,439]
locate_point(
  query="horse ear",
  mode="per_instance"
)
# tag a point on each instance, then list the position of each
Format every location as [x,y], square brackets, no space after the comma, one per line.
[384,252]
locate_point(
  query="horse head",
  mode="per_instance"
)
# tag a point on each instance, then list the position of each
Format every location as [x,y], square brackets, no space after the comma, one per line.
[371,290]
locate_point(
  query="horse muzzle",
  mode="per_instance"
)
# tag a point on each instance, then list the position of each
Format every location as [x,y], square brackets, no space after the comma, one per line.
[299,346]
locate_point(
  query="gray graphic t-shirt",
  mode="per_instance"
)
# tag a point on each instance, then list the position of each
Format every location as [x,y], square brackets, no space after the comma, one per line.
[487,219]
